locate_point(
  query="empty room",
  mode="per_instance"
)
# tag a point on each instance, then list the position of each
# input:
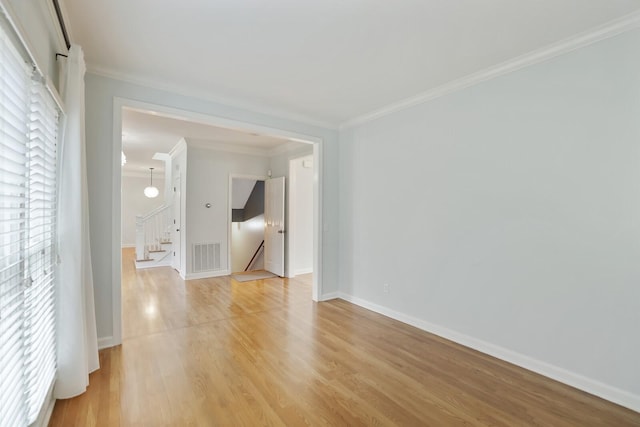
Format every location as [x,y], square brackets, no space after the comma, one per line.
[365,213]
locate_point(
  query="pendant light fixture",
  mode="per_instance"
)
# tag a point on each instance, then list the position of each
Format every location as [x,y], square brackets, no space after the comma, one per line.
[151,191]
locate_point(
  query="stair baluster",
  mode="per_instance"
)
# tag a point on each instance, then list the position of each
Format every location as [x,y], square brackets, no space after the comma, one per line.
[152,231]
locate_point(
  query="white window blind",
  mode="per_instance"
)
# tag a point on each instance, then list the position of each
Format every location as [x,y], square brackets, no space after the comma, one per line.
[28,166]
[14,130]
[40,319]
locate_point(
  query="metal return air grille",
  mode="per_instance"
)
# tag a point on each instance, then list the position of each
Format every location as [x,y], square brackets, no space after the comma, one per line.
[206,257]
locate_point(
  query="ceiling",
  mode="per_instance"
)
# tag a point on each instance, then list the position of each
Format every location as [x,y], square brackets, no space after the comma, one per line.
[329,61]
[146,133]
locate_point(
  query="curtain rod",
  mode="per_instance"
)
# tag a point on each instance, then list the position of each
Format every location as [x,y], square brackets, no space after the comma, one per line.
[63,27]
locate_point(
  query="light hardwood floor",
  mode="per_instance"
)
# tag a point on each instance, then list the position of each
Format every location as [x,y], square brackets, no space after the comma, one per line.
[216,352]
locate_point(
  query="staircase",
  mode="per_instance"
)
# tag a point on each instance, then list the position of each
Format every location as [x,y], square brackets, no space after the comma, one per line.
[153,238]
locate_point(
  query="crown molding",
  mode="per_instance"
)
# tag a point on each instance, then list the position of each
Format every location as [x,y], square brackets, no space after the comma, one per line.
[178,148]
[610,29]
[184,91]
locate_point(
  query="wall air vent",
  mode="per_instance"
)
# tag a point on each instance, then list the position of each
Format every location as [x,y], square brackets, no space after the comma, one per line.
[206,257]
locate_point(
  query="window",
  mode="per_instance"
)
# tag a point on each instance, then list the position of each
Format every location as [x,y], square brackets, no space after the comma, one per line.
[28,172]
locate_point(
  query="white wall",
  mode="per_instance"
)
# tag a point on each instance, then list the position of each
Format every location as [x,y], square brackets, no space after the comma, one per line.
[302,216]
[103,152]
[509,213]
[208,182]
[134,202]
[245,239]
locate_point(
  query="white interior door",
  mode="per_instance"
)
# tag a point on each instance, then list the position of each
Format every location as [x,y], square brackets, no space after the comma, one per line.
[274,225]
[175,231]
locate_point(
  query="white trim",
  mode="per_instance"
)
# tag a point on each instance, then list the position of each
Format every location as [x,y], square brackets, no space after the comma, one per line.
[178,148]
[610,29]
[291,221]
[163,157]
[303,271]
[106,342]
[116,224]
[206,274]
[578,381]
[162,262]
[128,245]
[330,296]
[318,218]
[145,81]
[178,181]
[53,91]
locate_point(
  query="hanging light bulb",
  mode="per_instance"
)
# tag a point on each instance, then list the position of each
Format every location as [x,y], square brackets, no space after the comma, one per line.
[151,191]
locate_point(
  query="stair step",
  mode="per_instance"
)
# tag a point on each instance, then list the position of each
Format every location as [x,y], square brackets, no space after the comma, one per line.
[144,260]
[155,252]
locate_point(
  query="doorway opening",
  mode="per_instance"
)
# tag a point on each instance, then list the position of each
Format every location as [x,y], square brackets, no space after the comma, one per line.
[301,216]
[313,146]
[247,224]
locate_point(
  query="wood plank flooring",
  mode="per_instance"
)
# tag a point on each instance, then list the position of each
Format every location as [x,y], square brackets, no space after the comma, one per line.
[216,352]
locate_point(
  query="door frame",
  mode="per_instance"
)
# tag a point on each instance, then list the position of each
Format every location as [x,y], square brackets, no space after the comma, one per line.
[176,236]
[116,201]
[233,176]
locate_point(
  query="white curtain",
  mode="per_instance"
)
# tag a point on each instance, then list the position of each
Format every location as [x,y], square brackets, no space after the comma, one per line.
[76,320]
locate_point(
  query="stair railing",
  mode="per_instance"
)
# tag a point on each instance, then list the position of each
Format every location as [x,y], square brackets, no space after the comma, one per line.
[152,230]
[255,255]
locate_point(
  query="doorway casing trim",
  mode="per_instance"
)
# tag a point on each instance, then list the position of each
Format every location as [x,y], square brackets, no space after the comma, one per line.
[116,203]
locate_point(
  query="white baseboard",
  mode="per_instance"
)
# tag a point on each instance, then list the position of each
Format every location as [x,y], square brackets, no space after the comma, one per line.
[105,342]
[128,245]
[303,271]
[607,392]
[206,274]
[329,296]
[152,264]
